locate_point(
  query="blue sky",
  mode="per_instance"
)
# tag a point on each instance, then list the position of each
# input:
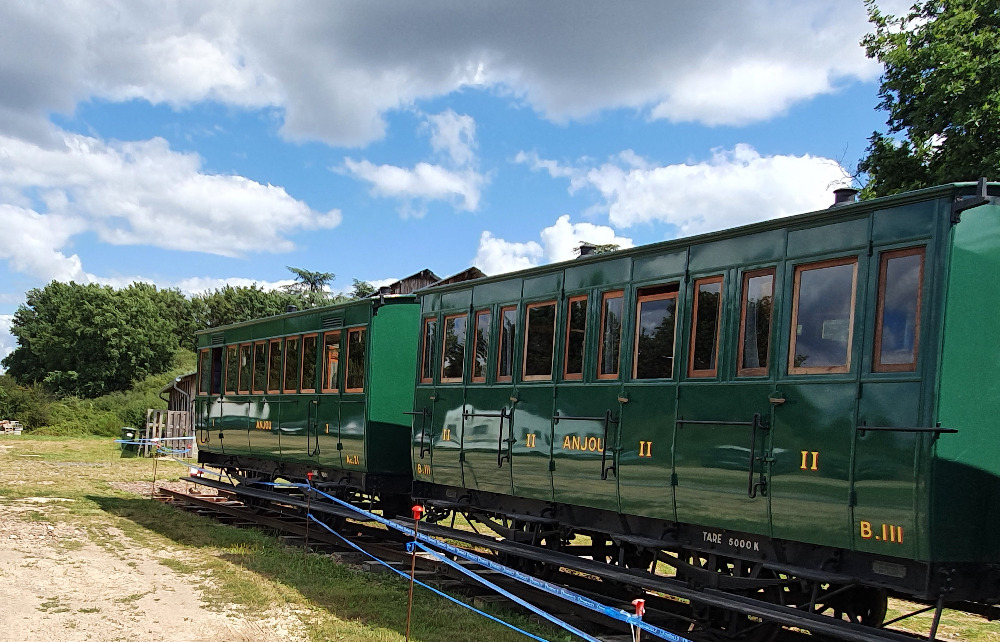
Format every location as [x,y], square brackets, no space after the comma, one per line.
[194,144]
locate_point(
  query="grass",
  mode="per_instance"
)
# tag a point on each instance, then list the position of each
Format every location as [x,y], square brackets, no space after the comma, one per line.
[242,571]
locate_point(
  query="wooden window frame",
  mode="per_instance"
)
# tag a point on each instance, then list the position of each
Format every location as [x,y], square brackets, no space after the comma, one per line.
[805,267]
[639,300]
[427,347]
[501,346]
[204,386]
[755,372]
[284,366]
[257,346]
[712,372]
[281,368]
[302,363]
[347,361]
[225,370]
[444,333]
[884,258]
[326,361]
[575,376]
[475,347]
[524,350]
[613,294]
[240,390]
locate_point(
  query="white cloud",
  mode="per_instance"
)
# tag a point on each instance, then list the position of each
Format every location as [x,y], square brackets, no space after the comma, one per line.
[336,68]
[559,242]
[456,181]
[425,182]
[136,193]
[735,187]
[496,256]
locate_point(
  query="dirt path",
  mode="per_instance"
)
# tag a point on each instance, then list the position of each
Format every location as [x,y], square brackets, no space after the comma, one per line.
[56,585]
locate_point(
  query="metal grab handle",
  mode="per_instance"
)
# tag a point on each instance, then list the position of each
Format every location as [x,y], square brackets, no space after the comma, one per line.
[503,415]
[423,415]
[604,453]
[309,415]
[762,483]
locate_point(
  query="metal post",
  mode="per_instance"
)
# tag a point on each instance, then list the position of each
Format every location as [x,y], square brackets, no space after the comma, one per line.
[417,511]
[309,481]
[640,610]
[152,489]
[937,618]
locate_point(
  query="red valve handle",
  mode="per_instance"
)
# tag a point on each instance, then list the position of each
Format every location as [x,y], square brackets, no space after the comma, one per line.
[640,606]
[418,510]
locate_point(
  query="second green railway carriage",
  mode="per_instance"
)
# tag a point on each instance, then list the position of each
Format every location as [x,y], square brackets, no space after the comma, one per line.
[323,390]
[816,394]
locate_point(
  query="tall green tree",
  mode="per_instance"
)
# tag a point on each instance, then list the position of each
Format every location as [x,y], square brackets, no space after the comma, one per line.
[361,289]
[241,303]
[941,89]
[89,340]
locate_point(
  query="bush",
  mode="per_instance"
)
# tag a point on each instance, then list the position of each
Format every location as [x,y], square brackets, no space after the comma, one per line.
[30,405]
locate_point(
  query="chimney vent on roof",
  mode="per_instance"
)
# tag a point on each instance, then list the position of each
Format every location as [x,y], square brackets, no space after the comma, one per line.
[586,249]
[385,290]
[844,196]
[292,308]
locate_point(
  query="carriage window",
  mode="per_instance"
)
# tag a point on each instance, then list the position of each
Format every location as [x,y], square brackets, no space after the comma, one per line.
[576,336]
[232,370]
[705,327]
[755,323]
[331,361]
[453,352]
[274,366]
[612,305]
[823,317]
[427,365]
[897,325]
[655,321]
[291,364]
[539,340]
[246,353]
[505,360]
[205,377]
[259,366]
[356,349]
[481,347]
[309,363]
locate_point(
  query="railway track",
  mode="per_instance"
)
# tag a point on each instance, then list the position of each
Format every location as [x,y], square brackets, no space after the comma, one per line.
[667,599]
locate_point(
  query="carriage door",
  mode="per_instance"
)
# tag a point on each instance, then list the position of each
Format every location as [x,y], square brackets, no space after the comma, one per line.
[486,419]
[422,415]
[814,405]
[722,421]
[445,437]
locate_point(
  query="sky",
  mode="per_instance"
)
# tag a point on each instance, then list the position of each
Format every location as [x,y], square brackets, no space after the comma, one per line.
[197,144]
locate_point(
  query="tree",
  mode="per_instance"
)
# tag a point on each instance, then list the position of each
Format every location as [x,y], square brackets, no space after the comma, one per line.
[89,340]
[243,303]
[361,289]
[941,89]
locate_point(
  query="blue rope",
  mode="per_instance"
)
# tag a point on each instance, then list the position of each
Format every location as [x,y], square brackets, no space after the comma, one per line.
[548,587]
[426,586]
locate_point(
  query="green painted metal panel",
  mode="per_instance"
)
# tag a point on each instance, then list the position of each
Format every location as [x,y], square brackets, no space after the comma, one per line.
[966,473]
[358,313]
[889,472]
[593,274]
[823,239]
[430,302]
[233,424]
[541,286]
[446,434]
[458,300]
[420,433]
[293,429]
[907,221]
[809,505]
[327,423]
[483,435]
[499,292]
[583,435]
[265,417]
[749,249]
[649,268]
[645,463]
[352,431]
[712,461]
[392,367]
[529,465]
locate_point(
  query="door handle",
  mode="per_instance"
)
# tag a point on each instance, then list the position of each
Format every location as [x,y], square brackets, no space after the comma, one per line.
[761,484]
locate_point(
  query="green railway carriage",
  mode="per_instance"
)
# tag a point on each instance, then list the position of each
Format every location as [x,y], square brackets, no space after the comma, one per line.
[816,394]
[324,390]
